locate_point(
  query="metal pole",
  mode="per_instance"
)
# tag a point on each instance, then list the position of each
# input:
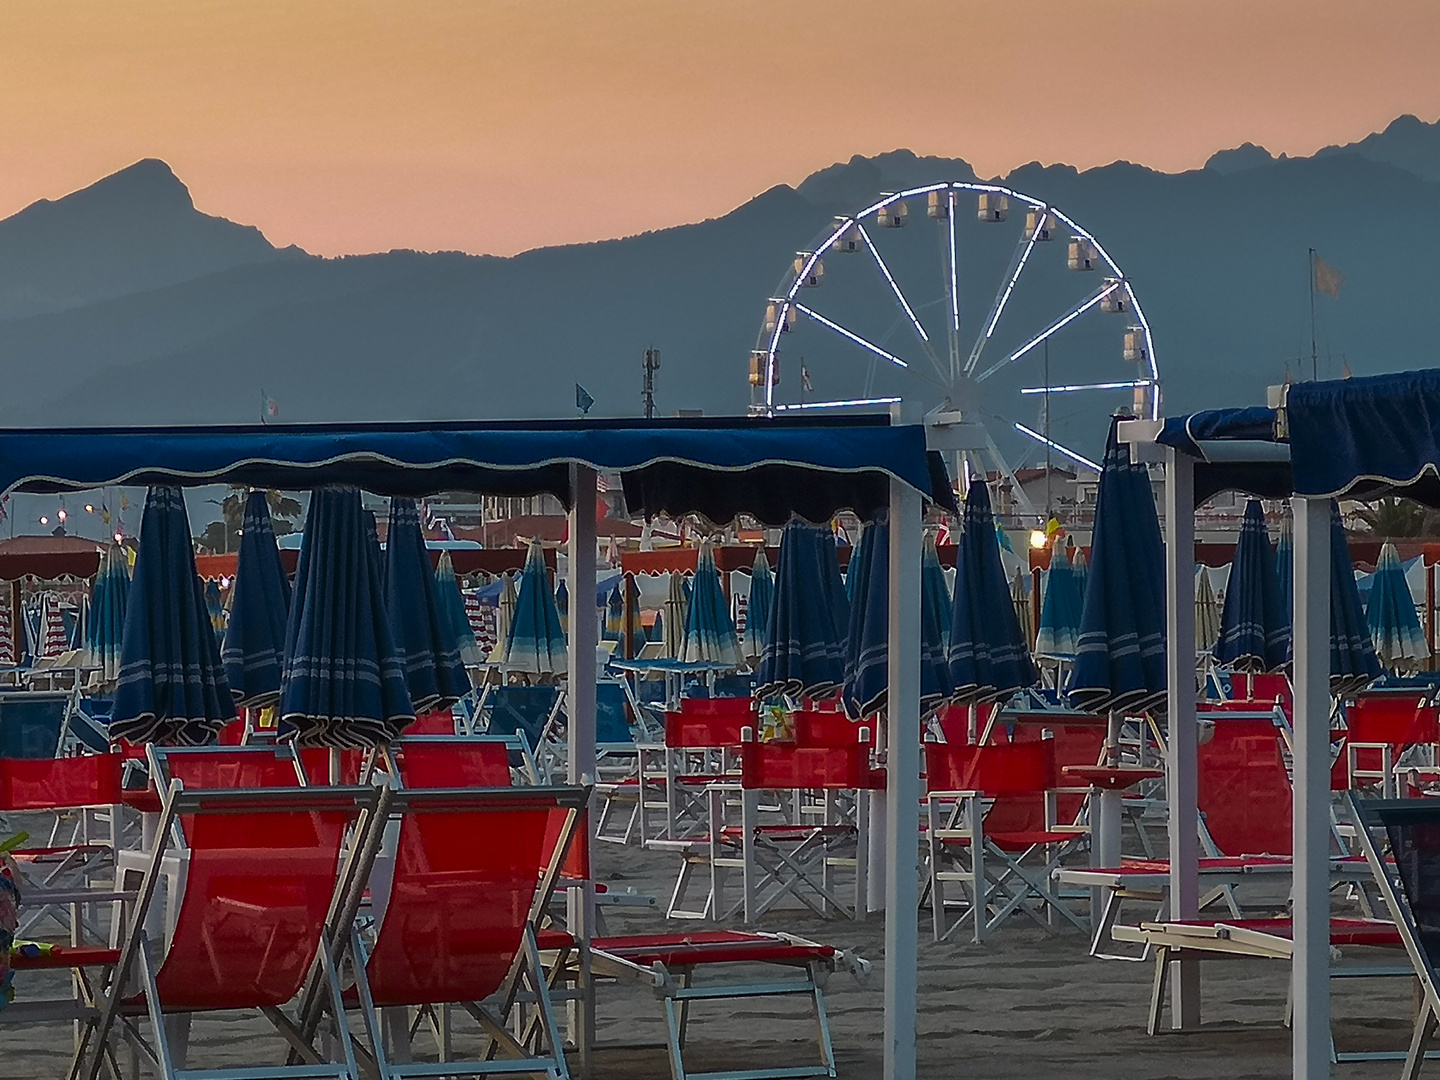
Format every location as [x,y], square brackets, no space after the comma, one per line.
[902,786]
[1314,352]
[1310,973]
[1180,707]
[580,658]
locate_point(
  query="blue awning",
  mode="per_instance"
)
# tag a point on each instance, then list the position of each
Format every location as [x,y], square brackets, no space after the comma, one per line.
[768,468]
[1235,450]
[1362,438]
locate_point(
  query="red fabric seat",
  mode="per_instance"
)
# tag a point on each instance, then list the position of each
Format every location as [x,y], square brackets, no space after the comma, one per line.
[710,947]
[66,956]
[1342,931]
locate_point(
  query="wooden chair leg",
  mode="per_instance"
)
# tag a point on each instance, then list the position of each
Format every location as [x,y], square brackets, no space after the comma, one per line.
[1157,995]
[1419,1040]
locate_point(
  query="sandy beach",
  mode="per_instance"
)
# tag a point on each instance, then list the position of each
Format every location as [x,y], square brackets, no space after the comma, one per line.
[1025,1004]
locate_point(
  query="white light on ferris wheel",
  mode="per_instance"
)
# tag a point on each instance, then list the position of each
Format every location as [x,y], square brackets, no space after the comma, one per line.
[850,404]
[1058,448]
[810,313]
[1076,387]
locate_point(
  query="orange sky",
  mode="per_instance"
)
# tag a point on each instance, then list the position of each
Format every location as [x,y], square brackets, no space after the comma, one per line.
[499,125]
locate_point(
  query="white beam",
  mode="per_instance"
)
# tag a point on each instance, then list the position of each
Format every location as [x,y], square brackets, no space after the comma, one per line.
[580,694]
[1311,888]
[902,786]
[1180,708]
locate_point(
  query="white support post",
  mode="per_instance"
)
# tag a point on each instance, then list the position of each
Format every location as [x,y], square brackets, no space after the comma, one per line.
[580,694]
[902,785]
[1311,889]
[1180,708]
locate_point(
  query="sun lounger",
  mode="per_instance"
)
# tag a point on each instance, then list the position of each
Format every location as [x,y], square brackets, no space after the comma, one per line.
[1382,727]
[261,902]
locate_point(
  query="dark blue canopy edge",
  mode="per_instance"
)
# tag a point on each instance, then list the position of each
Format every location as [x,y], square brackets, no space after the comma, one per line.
[1367,437]
[769,468]
[1201,434]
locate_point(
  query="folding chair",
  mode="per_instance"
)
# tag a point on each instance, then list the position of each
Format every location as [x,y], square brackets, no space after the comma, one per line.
[702,741]
[531,711]
[991,829]
[474,870]
[1381,729]
[33,723]
[263,896]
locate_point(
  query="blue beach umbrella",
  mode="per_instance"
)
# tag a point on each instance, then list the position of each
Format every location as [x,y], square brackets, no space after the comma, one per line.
[344,678]
[989,658]
[804,652]
[835,580]
[536,643]
[614,628]
[1080,567]
[171,687]
[1120,654]
[1285,566]
[859,556]
[562,601]
[1254,625]
[1059,632]
[1390,614]
[936,590]
[709,630]
[447,587]
[1353,664]
[762,602]
[420,624]
[254,649]
[867,646]
[106,625]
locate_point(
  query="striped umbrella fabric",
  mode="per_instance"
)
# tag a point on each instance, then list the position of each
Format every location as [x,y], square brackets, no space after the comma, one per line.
[215,605]
[1207,612]
[457,611]
[989,657]
[804,653]
[675,612]
[1285,565]
[9,654]
[55,638]
[254,648]
[709,631]
[1060,607]
[1394,625]
[106,626]
[839,602]
[420,623]
[614,628]
[762,603]
[1120,655]
[1254,625]
[867,645]
[936,589]
[504,617]
[171,686]
[344,678]
[631,623]
[1020,601]
[536,642]
[859,557]
[1080,568]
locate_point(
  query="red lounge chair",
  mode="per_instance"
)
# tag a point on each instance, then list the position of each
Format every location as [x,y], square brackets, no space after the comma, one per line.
[474,871]
[1381,726]
[991,828]
[261,905]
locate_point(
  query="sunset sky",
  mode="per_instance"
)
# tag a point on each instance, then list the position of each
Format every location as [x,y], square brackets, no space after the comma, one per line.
[499,125]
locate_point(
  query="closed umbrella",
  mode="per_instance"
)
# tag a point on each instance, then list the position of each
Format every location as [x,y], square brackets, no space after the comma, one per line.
[709,631]
[804,653]
[1254,625]
[1207,612]
[1285,564]
[859,557]
[762,603]
[562,604]
[344,678]
[171,687]
[1060,605]
[254,649]
[632,624]
[1120,654]
[504,617]
[1394,625]
[867,646]
[936,590]
[8,651]
[614,629]
[1353,664]
[55,637]
[215,605]
[675,610]
[106,626]
[536,643]
[1020,601]
[989,658]
[456,608]
[422,626]
[839,602]
[1080,567]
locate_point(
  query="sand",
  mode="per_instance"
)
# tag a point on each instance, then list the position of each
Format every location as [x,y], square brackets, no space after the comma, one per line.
[1025,1004]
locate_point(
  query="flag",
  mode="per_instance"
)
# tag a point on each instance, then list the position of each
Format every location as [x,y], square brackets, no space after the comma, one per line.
[805,379]
[1327,279]
[269,410]
[583,401]
[1003,539]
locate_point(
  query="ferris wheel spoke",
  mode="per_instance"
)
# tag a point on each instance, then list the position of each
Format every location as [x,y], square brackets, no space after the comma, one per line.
[905,305]
[997,308]
[1054,328]
[1073,388]
[864,343]
[851,403]
[954,289]
[1059,448]
[1003,467]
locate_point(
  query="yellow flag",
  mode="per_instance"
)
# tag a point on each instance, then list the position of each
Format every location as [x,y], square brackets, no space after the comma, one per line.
[1327,279]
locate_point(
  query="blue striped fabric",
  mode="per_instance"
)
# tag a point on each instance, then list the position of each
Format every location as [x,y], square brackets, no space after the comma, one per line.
[1059,631]
[1390,614]
[171,687]
[424,635]
[709,630]
[1254,624]
[105,627]
[254,649]
[536,642]
[762,603]
[805,650]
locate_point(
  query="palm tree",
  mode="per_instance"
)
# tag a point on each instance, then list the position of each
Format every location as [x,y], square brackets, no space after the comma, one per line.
[1397,518]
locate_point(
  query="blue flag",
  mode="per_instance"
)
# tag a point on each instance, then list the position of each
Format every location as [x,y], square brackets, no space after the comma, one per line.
[583,400]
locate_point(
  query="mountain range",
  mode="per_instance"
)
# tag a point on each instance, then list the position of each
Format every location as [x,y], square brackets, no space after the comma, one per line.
[122,303]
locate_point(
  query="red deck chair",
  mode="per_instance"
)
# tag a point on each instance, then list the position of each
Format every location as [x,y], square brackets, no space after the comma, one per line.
[262,904]
[474,871]
[991,828]
[1381,727]
[701,744]
[1243,788]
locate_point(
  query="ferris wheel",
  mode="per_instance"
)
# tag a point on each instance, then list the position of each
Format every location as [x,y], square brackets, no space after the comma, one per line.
[989,305]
